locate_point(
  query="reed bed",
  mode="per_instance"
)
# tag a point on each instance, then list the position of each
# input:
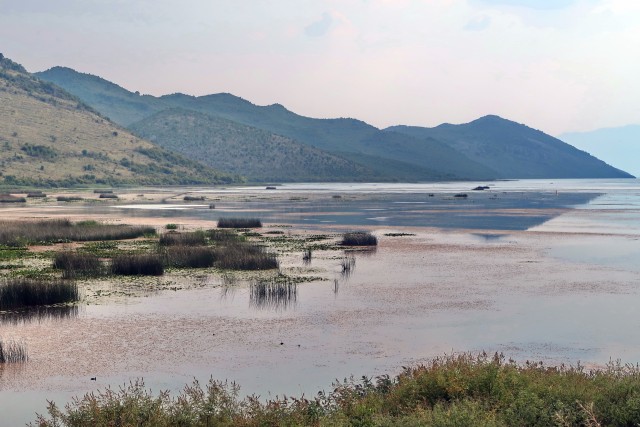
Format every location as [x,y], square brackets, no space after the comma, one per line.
[273,295]
[194,238]
[102,191]
[223,236]
[239,223]
[36,194]
[12,352]
[189,256]
[137,265]
[10,198]
[38,314]
[69,198]
[18,233]
[17,293]
[245,256]
[348,264]
[359,238]
[74,264]
[193,198]
[107,196]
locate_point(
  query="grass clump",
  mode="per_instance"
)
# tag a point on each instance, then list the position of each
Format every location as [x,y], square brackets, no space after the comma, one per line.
[462,390]
[107,196]
[194,238]
[12,352]
[19,293]
[245,256]
[193,198]
[137,265]
[68,198]
[74,264]
[359,238]
[17,233]
[10,198]
[36,194]
[171,226]
[239,223]
[189,257]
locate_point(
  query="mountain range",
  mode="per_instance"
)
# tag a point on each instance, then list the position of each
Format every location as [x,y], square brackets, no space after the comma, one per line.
[232,134]
[49,137]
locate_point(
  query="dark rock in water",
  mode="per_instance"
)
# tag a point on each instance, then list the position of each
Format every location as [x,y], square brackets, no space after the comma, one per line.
[461,195]
[481,187]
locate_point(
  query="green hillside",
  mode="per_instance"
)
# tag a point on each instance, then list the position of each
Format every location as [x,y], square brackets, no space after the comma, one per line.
[257,154]
[50,138]
[515,150]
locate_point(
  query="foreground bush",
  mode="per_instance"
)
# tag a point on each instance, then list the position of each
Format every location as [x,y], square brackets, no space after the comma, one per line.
[359,238]
[23,293]
[451,391]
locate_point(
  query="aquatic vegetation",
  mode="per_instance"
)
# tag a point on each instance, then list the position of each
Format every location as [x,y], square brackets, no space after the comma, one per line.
[189,256]
[38,314]
[69,198]
[137,265]
[306,257]
[348,264]
[9,198]
[194,238]
[74,264]
[239,223]
[36,194]
[273,295]
[460,390]
[359,238]
[16,293]
[171,226]
[244,256]
[193,198]
[12,352]
[17,233]
[107,196]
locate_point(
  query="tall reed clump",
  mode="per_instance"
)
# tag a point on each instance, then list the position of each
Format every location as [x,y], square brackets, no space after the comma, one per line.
[74,264]
[23,293]
[10,198]
[16,233]
[189,256]
[194,238]
[239,223]
[244,256]
[12,352]
[273,295]
[461,390]
[359,238]
[137,265]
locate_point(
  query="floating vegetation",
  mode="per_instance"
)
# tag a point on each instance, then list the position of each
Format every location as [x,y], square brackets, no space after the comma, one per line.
[137,265]
[398,234]
[239,223]
[39,314]
[359,238]
[18,233]
[74,264]
[16,293]
[12,352]
[273,295]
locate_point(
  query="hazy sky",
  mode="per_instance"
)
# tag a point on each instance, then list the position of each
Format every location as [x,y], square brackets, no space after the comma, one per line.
[556,65]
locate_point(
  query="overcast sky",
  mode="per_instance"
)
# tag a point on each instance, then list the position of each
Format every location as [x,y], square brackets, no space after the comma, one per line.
[555,65]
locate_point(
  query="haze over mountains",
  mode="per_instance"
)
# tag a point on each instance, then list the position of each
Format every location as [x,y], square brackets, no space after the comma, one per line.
[271,143]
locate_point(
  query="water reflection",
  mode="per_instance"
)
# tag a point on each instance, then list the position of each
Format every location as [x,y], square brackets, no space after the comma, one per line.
[273,295]
[39,315]
[489,237]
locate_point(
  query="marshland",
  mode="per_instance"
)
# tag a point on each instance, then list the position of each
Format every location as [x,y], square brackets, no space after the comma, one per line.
[285,301]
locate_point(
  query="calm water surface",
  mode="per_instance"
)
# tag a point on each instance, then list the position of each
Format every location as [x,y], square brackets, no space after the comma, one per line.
[544,270]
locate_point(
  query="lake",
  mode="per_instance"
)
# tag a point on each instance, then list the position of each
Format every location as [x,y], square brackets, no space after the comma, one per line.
[537,269]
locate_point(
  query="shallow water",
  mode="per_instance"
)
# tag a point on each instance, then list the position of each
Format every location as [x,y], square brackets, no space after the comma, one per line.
[537,278]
